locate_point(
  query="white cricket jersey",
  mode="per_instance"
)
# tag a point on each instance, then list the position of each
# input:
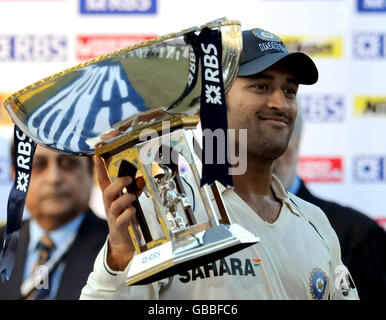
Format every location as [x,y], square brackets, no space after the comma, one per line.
[298,257]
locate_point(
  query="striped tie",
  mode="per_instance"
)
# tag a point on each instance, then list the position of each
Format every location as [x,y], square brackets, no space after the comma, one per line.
[41,290]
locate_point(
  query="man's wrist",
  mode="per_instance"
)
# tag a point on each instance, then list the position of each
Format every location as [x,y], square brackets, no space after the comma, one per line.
[118,256]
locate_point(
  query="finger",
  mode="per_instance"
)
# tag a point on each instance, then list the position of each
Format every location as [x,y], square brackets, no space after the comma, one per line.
[101,173]
[121,203]
[114,190]
[124,219]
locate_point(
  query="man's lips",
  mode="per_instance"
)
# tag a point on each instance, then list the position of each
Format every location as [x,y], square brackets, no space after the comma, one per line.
[275,119]
[55,196]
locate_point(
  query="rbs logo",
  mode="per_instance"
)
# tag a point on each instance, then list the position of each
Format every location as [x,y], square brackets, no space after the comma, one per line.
[50,48]
[211,63]
[372,5]
[369,168]
[118,6]
[369,45]
[319,108]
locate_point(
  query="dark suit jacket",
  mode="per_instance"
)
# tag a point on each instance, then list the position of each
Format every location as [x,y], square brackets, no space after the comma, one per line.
[79,259]
[363,245]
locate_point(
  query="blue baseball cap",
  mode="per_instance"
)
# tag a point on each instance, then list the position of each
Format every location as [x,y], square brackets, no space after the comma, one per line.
[262,49]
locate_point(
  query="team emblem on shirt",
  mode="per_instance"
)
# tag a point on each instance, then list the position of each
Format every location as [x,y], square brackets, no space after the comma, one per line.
[318,283]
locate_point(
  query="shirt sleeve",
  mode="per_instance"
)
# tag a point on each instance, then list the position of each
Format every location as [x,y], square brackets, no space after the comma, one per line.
[342,285]
[104,283]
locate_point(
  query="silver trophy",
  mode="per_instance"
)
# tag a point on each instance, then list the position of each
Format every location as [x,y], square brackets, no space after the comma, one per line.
[138,108]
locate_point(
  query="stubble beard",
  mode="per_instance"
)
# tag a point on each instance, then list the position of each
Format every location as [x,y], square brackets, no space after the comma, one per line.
[266,147]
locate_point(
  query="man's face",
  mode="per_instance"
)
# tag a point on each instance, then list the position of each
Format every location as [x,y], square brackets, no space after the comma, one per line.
[60,186]
[265,105]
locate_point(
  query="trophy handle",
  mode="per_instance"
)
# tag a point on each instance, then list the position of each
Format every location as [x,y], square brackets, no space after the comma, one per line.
[128,169]
[127,164]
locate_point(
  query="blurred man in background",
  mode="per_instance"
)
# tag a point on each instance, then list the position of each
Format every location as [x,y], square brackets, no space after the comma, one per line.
[362,240]
[62,231]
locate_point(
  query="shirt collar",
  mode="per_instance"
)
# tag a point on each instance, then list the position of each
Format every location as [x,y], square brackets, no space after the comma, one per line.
[282,194]
[278,190]
[58,236]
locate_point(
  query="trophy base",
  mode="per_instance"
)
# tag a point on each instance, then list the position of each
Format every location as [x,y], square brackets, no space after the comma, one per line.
[189,252]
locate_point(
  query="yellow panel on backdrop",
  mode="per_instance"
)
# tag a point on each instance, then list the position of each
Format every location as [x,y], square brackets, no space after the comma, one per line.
[369,105]
[315,46]
[5,119]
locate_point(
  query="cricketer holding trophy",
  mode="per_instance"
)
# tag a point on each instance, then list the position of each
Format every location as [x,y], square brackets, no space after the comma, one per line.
[193,213]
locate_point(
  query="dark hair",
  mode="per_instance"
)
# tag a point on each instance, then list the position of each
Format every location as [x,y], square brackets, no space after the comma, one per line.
[89,158]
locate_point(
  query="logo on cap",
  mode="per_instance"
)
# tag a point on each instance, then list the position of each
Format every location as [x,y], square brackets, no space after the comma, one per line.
[265,35]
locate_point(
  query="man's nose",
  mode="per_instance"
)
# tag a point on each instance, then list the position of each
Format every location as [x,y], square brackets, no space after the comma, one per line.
[53,173]
[277,100]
